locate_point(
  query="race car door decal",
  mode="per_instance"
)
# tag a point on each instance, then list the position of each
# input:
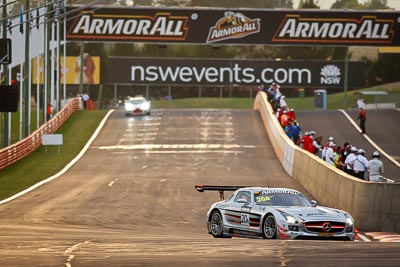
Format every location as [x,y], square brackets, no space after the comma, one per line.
[245,219]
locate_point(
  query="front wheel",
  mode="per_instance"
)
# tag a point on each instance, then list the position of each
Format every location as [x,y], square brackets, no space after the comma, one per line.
[269,227]
[216,224]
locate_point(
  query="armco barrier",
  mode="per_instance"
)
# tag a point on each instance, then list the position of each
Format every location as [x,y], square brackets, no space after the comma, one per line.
[374,206]
[26,146]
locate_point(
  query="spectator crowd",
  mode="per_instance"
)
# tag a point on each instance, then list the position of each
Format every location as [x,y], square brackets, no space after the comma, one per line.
[348,158]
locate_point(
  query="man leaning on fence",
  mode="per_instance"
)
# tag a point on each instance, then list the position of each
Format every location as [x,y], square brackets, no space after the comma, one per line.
[375,167]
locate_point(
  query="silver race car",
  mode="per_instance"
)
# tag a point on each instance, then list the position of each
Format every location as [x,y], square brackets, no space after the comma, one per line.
[137,105]
[263,212]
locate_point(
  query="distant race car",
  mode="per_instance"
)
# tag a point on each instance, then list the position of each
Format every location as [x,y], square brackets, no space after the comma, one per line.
[263,212]
[137,105]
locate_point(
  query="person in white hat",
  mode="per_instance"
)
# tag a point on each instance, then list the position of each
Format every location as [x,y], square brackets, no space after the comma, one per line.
[360,103]
[330,153]
[315,145]
[375,167]
[282,103]
[350,160]
[360,164]
[330,139]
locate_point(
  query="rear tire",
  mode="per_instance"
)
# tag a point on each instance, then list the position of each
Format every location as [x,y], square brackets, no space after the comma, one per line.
[269,227]
[216,224]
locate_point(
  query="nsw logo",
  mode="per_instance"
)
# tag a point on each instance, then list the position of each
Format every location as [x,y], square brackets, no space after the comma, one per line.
[330,74]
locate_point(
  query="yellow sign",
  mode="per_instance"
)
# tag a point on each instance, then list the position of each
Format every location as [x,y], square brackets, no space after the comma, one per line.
[389,49]
[91,70]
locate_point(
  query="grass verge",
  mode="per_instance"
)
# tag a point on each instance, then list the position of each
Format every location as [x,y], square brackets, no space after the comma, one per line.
[38,166]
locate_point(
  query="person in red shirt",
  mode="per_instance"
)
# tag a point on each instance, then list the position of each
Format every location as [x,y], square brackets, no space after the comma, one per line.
[306,142]
[362,117]
[292,115]
[284,119]
[49,111]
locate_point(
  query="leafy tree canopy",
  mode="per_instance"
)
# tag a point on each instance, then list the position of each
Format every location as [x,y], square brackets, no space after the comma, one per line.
[354,4]
[308,4]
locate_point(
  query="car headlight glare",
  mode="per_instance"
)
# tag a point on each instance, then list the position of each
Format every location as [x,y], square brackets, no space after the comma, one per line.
[128,106]
[291,219]
[349,221]
[145,106]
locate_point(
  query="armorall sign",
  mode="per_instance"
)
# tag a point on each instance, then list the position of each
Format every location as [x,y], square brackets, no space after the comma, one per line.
[229,26]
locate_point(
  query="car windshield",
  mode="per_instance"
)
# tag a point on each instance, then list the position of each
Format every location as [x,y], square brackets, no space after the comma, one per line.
[284,198]
[137,101]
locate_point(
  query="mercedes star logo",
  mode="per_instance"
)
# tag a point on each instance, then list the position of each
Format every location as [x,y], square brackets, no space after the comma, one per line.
[327,227]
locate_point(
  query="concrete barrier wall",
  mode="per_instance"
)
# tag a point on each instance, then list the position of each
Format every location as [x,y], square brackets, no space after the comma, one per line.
[380,106]
[284,148]
[374,206]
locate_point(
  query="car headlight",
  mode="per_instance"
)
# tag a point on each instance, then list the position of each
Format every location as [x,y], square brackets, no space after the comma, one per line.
[349,221]
[145,106]
[128,106]
[289,218]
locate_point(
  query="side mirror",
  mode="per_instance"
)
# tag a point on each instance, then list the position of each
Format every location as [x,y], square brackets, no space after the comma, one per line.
[314,203]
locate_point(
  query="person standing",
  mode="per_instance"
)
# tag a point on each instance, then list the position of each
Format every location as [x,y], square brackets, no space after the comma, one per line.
[350,158]
[49,111]
[85,99]
[330,139]
[306,141]
[337,162]
[360,164]
[284,119]
[316,144]
[360,103]
[362,116]
[330,153]
[289,130]
[282,103]
[375,167]
[292,115]
[296,130]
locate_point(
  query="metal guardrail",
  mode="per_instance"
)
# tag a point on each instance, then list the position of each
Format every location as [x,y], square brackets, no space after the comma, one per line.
[385,180]
[28,145]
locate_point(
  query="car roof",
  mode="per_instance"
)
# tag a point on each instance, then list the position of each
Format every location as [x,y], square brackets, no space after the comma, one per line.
[271,189]
[136,98]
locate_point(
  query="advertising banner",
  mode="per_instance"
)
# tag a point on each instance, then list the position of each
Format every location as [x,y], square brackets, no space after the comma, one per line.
[229,26]
[217,72]
[91,70]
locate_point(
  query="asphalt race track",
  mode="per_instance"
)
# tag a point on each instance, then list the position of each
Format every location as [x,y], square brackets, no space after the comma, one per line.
[130,200]
[382,127]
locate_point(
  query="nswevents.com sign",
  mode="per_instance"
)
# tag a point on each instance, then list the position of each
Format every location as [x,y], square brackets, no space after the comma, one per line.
[212,72]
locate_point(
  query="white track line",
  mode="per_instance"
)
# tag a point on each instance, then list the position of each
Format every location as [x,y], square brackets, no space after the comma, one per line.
[364,238]
[369,139]
[66,168]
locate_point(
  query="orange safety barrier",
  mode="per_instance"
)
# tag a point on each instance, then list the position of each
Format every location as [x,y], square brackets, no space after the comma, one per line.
[28,145]
[91,105]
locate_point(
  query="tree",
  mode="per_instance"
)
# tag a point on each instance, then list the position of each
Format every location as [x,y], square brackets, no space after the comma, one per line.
[309,4]
[346,4]
[375,4]
[247,4]
[384,70]
[354,4]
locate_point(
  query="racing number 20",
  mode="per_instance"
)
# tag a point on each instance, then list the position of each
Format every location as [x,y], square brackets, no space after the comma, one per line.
[245,219]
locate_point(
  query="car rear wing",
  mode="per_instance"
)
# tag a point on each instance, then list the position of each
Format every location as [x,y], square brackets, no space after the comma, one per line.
[221,189]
